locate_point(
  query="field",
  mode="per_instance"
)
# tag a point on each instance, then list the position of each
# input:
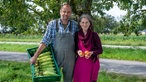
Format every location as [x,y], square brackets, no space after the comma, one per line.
[20,38]
[105,39]
[123,40]
[124,54]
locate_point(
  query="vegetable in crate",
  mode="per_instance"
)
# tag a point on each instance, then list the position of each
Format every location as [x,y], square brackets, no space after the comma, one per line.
[44,65]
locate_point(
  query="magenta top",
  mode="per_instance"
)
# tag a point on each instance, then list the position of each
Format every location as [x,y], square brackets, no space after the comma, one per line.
[89,42]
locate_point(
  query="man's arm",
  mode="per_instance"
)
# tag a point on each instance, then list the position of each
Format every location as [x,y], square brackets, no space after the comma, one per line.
[37,53]
[45,41]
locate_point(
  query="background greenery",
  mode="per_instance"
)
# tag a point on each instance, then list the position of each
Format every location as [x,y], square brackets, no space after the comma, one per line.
[32,16]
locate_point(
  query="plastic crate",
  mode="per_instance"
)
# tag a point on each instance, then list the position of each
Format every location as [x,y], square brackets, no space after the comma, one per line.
[54,78]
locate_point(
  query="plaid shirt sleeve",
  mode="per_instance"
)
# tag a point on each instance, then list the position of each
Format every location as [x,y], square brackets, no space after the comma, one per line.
[49,34]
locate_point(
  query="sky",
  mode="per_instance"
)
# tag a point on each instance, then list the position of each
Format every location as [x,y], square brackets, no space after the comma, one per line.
[116,12]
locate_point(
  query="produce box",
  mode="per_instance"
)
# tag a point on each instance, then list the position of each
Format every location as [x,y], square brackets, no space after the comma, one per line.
[46,68]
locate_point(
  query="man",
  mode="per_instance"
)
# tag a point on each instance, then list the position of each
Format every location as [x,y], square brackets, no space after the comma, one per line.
[61,34]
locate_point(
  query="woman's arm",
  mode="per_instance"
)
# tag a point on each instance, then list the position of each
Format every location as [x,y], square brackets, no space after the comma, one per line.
[97,46]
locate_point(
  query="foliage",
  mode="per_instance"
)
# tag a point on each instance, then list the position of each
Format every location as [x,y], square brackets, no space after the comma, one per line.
[32,16]
[14,15]
[104,24]
[136,15]
[21,16]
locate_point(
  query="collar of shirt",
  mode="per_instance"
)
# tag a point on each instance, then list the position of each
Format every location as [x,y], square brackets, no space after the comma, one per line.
[61,27]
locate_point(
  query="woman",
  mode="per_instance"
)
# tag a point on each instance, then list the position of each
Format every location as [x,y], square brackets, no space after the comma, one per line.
[88,48]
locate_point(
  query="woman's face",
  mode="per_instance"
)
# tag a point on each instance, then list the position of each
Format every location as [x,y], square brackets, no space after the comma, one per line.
[84,24]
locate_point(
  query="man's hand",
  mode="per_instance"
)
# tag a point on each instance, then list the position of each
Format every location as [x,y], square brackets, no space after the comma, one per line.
[39,50]
[33,60]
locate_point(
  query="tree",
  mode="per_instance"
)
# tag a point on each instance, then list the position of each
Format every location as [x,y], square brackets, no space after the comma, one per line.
[13,18]
[21,16]
[125,27]
[24,15]
[136,15]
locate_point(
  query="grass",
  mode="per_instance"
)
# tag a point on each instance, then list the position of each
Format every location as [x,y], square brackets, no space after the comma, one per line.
[131,40]
[20,72]
[20,38]
[113,77]
[14,71]
[15,47]
[124,54]
[105,39]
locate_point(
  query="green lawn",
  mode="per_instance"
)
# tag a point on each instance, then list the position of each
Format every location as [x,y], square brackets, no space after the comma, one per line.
[15,47]
[131,40]
[20,38]
[14,71]
[124,54]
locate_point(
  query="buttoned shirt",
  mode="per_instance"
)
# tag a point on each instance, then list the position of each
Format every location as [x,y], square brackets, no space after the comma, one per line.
[51,31]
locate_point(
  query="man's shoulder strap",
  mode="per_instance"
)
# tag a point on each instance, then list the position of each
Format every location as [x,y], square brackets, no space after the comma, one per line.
[70,26]
[57,28]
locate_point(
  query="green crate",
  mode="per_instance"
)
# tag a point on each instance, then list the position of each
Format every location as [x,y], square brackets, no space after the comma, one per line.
[56,78]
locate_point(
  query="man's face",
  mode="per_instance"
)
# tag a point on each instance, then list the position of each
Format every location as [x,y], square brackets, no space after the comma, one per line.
[65,12]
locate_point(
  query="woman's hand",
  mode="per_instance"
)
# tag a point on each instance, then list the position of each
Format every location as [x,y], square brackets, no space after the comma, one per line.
[80,53]
[88,54]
